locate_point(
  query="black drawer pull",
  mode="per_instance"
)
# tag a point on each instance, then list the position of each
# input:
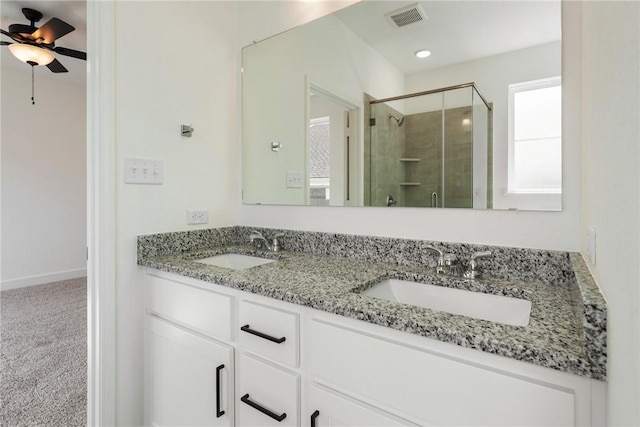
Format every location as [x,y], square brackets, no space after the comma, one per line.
[219,413]
[262,409]
[246,328]
[313,418]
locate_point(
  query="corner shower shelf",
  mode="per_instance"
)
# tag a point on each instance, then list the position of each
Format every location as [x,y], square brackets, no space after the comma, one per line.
[409,184]
[409,159]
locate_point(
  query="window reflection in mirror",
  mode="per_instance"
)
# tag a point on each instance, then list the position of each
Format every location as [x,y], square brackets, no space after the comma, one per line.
[535,137]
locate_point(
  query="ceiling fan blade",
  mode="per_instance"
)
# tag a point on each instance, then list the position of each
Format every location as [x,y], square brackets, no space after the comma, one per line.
[13,36]
[70,52]
[52,30]
[56,67]
[3,43]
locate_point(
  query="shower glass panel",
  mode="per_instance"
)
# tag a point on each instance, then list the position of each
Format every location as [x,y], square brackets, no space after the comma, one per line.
[429,150]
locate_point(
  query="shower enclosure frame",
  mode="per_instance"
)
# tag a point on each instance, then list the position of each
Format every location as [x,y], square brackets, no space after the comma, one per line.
[474,91]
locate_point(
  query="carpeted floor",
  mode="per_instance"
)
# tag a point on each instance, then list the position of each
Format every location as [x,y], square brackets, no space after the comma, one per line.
[43,355]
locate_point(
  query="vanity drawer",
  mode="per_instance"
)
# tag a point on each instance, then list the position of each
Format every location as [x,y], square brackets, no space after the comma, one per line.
[204,311]
[267,395]
[435,388]
[269,332]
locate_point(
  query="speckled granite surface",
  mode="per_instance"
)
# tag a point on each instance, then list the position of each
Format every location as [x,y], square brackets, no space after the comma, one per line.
[566,331]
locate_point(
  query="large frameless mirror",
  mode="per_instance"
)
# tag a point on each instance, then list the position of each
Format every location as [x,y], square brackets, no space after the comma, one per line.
[342,112]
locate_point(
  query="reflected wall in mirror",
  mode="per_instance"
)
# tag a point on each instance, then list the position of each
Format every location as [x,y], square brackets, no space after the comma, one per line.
[312,92]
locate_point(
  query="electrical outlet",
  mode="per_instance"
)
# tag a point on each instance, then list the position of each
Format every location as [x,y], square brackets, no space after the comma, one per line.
[197,217]
[591,245]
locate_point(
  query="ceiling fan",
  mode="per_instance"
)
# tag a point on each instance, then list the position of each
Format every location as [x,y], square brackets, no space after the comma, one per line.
[35,46]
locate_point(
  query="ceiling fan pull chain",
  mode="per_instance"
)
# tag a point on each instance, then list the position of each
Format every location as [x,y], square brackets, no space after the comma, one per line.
[33,86]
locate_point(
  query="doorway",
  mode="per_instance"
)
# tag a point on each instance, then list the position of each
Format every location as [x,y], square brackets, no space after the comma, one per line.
[334,151]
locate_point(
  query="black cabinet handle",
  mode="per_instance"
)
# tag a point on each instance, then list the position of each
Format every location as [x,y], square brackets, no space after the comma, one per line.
[262,409]
[313,418]
[219,413]
[246,328]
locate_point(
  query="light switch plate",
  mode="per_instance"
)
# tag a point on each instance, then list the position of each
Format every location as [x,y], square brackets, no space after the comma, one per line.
[143,171]
[294,179]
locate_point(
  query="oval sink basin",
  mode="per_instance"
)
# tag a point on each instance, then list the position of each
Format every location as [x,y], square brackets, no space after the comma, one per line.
[496,308]
[235,261]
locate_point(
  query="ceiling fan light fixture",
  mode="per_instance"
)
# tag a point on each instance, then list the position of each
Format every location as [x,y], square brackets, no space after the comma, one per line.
[31,54]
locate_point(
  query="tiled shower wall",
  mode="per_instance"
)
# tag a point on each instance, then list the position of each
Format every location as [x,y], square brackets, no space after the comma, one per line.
[424,140]
[419,141]
[382,154]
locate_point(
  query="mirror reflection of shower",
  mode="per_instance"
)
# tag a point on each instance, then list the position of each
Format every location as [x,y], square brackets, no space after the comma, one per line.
[439,158]
[400,120]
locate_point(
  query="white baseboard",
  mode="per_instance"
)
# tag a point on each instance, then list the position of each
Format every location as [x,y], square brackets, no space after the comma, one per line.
[42,278]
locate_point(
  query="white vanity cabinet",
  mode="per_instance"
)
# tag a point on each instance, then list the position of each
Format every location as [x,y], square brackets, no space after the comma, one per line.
[289,365]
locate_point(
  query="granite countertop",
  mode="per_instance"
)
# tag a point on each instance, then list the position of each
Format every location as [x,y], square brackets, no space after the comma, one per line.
[566,330]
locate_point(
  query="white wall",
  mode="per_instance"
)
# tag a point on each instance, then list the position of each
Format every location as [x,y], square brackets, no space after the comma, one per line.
[156,94]
[610,188]
[43,178]
[179,66]
[548,230]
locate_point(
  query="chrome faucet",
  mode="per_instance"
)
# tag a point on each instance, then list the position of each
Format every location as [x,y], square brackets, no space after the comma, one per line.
[258,239]
[447,262]
[451,265]
[473,271]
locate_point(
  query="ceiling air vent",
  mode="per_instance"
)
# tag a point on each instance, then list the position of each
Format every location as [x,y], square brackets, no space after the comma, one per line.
[407,15]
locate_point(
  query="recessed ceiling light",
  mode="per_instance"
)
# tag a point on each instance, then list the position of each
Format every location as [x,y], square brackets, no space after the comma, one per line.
[423,53]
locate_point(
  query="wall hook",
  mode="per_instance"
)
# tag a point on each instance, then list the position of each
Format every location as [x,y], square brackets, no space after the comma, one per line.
[276,146]
[186,130]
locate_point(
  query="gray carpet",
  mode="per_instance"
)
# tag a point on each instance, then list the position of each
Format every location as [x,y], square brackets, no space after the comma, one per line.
[43,347]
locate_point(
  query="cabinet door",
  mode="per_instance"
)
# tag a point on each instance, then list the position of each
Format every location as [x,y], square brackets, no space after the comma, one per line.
[330,408]
[189,378]
[267,394]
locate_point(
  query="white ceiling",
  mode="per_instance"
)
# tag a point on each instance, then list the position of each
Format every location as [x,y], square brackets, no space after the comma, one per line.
[454,31]
[73,12]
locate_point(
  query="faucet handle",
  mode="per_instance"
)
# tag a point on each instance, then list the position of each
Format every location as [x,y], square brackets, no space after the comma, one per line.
[473,272]
[256,237]
[434,249]
[483,254]
[276,243]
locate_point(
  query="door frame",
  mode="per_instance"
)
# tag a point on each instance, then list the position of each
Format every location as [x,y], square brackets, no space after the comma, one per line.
[101,214]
